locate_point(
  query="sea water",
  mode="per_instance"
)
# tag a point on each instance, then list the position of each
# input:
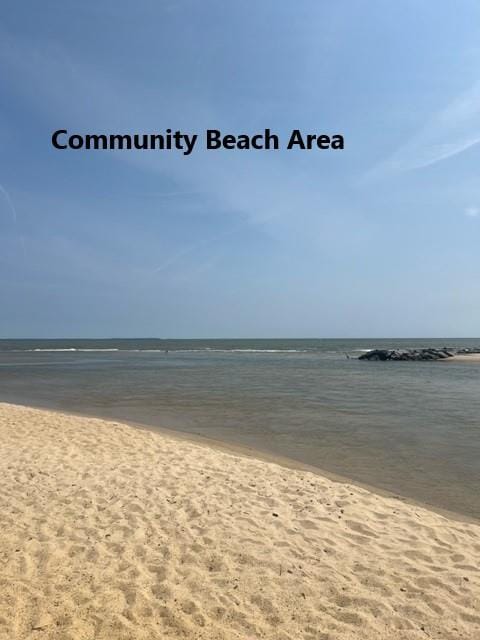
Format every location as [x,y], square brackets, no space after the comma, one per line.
[411,428]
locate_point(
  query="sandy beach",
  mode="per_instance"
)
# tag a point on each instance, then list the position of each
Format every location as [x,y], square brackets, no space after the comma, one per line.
[464,357]
[112,532]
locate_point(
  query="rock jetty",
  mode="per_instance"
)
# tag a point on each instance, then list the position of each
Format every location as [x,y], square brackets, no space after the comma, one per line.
[408,354]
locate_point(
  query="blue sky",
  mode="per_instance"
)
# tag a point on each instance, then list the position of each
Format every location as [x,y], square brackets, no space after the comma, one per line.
[381,239]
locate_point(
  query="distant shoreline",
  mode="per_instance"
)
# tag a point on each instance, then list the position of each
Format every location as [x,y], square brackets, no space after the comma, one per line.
[463,357]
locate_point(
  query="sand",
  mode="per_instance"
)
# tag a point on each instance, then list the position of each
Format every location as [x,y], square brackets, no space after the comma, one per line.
[116,533]
[463,357]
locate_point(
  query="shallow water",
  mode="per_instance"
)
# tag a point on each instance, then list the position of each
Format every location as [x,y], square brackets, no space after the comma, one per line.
[407,427]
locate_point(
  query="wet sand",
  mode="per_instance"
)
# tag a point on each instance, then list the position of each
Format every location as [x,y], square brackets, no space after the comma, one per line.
[109,531]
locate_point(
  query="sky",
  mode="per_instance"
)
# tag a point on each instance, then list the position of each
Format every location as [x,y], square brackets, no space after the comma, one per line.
[378,240]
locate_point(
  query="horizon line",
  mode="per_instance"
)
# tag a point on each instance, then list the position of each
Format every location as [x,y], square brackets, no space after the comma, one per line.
[251,338]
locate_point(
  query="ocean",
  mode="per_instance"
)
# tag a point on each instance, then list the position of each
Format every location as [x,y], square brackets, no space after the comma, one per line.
[411,428]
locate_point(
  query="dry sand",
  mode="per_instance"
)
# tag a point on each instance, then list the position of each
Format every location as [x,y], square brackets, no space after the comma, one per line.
[116,533]
[463,357]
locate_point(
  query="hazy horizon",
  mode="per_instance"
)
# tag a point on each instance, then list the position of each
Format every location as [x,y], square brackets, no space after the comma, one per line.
[225,338]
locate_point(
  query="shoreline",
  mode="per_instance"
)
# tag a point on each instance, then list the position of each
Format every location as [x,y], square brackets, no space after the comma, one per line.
[260,455]
[463,357]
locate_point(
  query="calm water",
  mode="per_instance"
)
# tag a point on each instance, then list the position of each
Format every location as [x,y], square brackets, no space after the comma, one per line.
[411,428]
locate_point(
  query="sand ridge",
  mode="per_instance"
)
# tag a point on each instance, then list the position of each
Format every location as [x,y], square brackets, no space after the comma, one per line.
[464,357]
[110,532]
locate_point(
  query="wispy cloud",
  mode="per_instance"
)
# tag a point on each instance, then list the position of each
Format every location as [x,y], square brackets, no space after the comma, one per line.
[9,202]
[211,241]
[449,132]
[472,212]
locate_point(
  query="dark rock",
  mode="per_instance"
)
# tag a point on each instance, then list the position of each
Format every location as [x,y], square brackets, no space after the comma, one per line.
[413,355]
